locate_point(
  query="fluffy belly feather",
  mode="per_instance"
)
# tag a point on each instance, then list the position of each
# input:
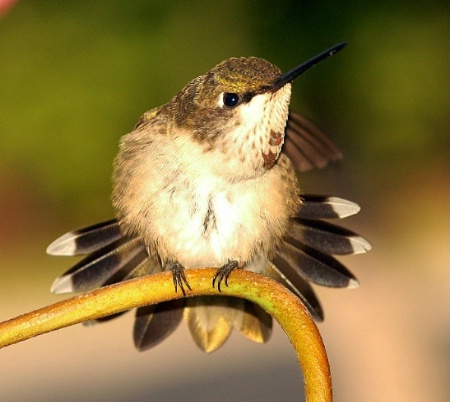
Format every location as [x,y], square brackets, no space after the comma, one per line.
[186,211]
[207,226]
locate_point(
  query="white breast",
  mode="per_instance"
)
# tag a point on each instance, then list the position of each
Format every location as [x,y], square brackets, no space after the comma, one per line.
[199,219]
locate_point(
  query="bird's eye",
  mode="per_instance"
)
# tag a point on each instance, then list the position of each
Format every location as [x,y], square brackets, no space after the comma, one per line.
[230,99]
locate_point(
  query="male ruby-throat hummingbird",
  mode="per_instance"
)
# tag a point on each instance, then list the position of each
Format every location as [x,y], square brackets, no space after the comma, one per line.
[208,180]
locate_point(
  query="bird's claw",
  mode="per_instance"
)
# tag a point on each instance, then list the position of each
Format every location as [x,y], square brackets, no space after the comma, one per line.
[223,273]
[179,278]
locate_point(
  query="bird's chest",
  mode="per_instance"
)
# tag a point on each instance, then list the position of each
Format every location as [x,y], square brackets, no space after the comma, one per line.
[208,222]
[201,208]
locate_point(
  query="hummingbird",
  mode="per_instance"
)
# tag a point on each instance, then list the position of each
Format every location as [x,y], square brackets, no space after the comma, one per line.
[210,180]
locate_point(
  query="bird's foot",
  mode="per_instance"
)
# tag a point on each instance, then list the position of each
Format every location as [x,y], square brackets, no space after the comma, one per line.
[223,273]
[179,279]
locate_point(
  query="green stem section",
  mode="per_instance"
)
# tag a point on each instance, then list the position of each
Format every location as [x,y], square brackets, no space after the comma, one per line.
[274,298]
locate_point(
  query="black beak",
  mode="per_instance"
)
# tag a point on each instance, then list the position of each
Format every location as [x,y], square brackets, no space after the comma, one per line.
[300,69]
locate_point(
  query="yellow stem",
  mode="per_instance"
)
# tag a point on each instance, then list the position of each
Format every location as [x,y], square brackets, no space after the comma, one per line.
[278,301]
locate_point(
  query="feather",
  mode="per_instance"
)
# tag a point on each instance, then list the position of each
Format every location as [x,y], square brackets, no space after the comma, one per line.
[155,323]
[315,266]
[306,145]
[86,240]
[210,320]
[287,274]
[327,238]
[142,264]
[94,270]
[326,207]
[303,255]
[255,323]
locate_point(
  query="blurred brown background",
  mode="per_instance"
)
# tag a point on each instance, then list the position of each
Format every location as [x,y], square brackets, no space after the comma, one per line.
[75,76]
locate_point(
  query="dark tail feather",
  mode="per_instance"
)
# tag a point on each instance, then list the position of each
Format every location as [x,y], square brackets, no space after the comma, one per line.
[155,323]
[305,253]
[327,238]
[114,258]
[288,275]
[140,265]
[86,240]
[94,270]
[315,266]
[326,207]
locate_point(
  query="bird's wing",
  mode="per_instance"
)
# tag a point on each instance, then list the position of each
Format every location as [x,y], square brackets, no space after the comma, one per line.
[306,145]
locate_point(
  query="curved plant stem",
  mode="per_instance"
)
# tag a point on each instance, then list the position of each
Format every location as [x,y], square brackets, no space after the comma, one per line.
[278,301]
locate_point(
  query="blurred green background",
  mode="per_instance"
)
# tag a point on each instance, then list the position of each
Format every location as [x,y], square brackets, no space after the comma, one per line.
[75,76]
